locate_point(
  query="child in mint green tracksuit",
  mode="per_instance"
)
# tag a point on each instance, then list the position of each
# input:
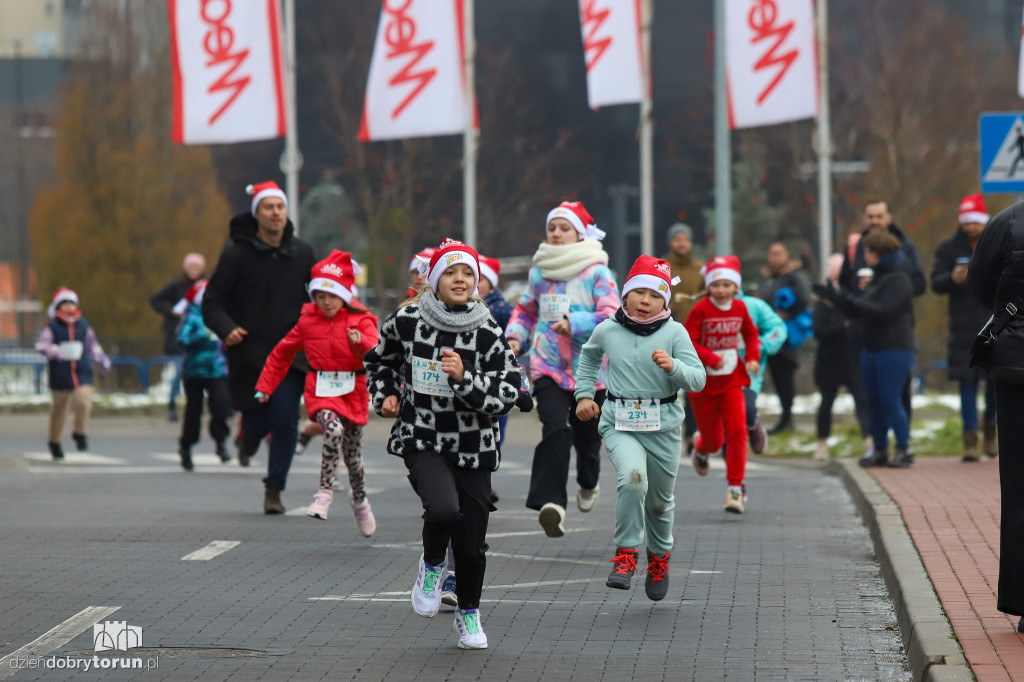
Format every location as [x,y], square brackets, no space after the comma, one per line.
[650,358]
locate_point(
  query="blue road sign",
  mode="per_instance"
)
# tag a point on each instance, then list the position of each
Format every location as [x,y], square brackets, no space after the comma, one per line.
[1002,152]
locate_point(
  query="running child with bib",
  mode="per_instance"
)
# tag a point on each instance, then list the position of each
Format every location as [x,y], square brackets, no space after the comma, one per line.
[459,376]
[650,359]
[335,331]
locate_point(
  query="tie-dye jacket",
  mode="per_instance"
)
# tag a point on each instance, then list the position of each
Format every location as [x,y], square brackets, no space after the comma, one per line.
[594,297]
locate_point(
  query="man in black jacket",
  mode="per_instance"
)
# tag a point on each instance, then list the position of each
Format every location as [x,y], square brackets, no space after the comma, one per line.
[966,317]
[254,298]
[192,268]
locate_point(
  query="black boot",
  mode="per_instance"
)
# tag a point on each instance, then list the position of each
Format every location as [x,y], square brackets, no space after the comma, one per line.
[272,501]
[56,450]
[785,424]
[186,457]
[247,450]
[222,452]
[80,441]
[879,458]
[902,459]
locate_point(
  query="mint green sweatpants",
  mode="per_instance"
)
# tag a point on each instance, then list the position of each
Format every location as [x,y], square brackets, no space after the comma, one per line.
[647,463]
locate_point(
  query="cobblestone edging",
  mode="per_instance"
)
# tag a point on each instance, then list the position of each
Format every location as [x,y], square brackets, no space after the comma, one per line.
[932,649]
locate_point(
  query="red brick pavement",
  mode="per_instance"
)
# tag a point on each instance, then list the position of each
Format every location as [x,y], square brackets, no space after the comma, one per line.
[951,509]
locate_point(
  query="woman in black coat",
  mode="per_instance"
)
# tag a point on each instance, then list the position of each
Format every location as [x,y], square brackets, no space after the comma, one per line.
[887,309]
[966,317]
[996,277]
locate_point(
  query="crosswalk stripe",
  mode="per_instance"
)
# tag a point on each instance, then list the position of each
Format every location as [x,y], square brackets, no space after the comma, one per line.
[215,548]
[56,637]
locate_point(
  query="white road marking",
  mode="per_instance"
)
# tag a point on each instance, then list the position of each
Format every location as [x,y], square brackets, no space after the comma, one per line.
[539,532]
[75,458]
[215,548]
[704,572]
[405,600]
[56,637]
[199,459]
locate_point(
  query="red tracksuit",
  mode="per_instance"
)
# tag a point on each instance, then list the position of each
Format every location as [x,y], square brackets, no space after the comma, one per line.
[720,409]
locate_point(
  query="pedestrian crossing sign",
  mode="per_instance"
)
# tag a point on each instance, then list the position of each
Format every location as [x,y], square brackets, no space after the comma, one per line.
[1001,138]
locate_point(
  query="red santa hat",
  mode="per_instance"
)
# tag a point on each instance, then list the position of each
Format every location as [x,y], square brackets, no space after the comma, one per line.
[449,253]
[722,268]
[489,268]
[193,295]
[421,258]
[62,295]
[336,275]
[973,209]
[651,273]
[261,191]
[575,213]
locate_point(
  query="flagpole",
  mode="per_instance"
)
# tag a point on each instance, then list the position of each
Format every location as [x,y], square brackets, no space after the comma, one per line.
[723,148]
[291,161]
[469,135]
[824,143]
[646,135]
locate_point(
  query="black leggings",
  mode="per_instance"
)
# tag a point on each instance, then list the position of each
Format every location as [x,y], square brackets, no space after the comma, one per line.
[783,370]
[219,400]
[456,508]
[828,396]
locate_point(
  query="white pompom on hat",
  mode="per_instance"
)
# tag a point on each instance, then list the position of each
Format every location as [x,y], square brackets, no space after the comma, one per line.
[420,259]
[651,273]
[262,190]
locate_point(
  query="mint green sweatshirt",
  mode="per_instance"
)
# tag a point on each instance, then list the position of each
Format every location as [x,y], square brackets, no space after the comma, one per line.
[631,372]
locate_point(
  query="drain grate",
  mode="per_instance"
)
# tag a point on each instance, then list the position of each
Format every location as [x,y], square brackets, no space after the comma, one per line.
[175,652]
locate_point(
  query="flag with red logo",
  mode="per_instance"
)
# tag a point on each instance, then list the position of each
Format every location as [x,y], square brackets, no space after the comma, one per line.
[417,84]
[227,71]
[771,61]
[612,51]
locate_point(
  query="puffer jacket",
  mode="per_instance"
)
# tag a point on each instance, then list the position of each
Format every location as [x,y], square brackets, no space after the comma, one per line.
[771,330]
[594,297]
[996,277]
[204,352]
[325,341]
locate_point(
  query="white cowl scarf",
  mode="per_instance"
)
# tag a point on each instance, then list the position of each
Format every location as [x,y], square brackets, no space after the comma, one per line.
[562,262]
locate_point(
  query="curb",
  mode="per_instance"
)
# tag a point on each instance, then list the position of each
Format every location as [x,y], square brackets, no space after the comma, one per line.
[932,648]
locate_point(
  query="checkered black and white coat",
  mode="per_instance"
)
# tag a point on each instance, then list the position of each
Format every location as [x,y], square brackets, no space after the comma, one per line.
[465,426]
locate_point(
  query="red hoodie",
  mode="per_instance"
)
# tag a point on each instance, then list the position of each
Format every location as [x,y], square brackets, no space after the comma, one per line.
[716,335]
[327,348]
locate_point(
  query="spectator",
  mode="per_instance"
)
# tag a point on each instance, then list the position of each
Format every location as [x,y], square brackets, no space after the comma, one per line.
[253,299]
[837,364]
[966,317]
[996,277]
[887,308]
[192,268]
[784,286]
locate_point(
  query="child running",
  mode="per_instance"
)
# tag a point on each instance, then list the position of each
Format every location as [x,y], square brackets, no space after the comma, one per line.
[717,325]
[459,376]
[335,331]
[650,358]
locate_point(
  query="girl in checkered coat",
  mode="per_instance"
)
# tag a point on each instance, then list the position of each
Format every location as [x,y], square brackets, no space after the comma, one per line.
[459,375]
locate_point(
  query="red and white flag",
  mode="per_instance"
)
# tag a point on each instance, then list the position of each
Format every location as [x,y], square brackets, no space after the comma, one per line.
[226,63]
[417,81]
[612,50]
[771,61]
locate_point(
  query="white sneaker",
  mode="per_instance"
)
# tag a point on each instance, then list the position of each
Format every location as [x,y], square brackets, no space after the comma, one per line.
[734,499]
[821,450]
[321,501]
[364,517]
[586,499]
[471,631]
[426,593]
[552,519]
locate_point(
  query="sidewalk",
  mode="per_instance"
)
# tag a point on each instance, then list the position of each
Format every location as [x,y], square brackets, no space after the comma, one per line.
[951,510]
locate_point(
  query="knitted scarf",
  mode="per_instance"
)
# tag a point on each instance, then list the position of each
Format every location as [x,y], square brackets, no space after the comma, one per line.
[642,327]
[463,318]
[562,262]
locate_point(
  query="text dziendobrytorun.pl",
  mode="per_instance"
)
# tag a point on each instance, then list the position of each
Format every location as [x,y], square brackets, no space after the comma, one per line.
[84,663]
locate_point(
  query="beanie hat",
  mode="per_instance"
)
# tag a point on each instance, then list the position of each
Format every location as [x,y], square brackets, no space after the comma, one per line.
[336,275]
[261,191]
[489,268]
[450,252]
[722,268]
[651,273]
[193,295]
[678,228]
[421,258]
[575,213]
[62,295]
[193,259]
[973,209]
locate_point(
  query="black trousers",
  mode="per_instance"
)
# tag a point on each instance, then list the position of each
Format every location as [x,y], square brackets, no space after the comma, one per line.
[560,431]
[219,399]
[783,371]
[851,380]
[456,508]
[1010,400]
